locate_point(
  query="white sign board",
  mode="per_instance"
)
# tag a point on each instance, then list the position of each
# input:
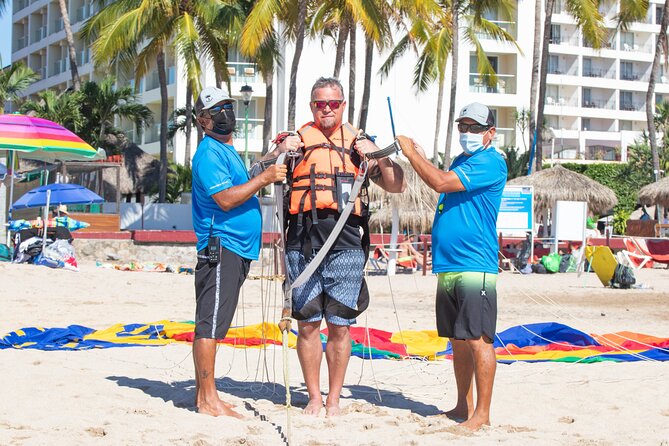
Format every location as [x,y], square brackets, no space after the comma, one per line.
[516,211]
[569,219]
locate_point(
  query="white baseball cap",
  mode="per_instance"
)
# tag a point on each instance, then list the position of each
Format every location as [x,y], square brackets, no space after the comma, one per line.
[209,97]
[478,112]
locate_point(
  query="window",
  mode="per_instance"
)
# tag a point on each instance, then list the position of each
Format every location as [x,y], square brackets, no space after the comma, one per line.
[659,98]
[658,15]
[585,123]
[627,71]
[554,65]
[625,125]
[587,66]
[627,41]
[626,100]
[555,34]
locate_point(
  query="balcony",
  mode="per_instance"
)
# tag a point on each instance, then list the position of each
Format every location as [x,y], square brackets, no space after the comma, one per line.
[599,72]
[83,56]
[634,47]
[61,66]
[39,34]
[57,25]
[243,72]
[562,102]
[598,103]
[572,40]
[83,13]
[602,153]
[563,70]
[19,5]
[632,106]
[153,82]
[634,76]
[21,42]
[504,137]
[509,27]
[506,84]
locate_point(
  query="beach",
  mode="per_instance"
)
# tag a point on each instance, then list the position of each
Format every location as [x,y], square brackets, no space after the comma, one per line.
[138,395]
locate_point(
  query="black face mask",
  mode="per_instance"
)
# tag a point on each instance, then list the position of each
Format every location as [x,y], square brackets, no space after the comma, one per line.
[224,122]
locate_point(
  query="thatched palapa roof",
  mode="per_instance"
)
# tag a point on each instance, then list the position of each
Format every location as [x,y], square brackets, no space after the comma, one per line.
[560,184]
[655,193]
[416,204]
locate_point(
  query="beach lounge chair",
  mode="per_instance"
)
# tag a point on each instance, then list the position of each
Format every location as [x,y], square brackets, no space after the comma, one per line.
[379,260]
[656,249]
[633,256]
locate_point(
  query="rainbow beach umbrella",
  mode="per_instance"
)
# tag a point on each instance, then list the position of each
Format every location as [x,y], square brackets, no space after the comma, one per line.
[44,140]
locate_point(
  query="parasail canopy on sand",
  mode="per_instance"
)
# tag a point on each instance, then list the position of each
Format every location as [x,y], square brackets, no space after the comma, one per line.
[655,193]
[560,184]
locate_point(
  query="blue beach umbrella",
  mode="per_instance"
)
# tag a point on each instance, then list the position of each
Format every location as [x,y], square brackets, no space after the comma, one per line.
[57,193]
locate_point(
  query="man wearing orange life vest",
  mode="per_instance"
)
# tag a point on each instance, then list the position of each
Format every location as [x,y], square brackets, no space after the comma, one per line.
[320,182]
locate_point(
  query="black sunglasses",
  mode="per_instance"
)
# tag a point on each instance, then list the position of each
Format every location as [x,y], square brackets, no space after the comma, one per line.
[216,109]
[475,128]
[334,104]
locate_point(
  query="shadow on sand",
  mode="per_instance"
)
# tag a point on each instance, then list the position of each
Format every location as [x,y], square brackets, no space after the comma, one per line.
[182,394]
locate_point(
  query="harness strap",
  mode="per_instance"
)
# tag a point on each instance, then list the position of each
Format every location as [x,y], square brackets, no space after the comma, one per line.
[312,183]
[318,258]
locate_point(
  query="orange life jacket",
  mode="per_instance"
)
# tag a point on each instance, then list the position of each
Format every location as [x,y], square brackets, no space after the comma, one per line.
[313,177]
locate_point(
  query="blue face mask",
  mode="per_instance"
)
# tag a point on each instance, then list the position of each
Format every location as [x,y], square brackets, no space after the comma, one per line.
[471,142]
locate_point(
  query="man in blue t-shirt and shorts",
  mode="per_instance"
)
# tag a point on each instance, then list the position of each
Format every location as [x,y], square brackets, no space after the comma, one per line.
[464,255]
[228,225]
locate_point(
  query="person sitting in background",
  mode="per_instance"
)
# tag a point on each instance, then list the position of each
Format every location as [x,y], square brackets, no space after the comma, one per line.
[408,251]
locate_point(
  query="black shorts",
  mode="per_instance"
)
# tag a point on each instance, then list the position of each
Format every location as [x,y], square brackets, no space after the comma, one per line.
[217,292]
[467,305]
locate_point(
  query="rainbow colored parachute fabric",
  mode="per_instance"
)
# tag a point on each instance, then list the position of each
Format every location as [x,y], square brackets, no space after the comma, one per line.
[540,342]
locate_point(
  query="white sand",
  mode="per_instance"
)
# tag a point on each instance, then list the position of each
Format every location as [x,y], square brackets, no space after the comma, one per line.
[143,395]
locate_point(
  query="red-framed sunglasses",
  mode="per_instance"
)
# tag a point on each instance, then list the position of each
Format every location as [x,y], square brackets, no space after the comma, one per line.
[334,104]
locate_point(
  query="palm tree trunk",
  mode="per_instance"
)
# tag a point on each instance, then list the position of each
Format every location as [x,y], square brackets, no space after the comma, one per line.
[440,100]
[367,89]
[189,123]
[455,52]
[543,71]
[341,46]
[351,76]
[267,120]
[299,44]
[76,84]
[660,46]
[162,79]
[536,56]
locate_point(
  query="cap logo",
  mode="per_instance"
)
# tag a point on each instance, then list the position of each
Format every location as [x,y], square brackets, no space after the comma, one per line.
[208,98]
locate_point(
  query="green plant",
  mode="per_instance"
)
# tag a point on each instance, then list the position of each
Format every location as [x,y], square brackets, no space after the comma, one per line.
[179,180]
[620,218]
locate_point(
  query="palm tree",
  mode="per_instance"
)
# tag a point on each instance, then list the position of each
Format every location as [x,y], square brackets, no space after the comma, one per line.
[432,34]
[72,51]
[590,21]
[63,108]
[13,80]
[136,33]
[103,104]
[661,47]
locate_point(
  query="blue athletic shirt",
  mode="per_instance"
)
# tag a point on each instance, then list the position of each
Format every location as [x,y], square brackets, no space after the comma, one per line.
[217,167]
[464,235]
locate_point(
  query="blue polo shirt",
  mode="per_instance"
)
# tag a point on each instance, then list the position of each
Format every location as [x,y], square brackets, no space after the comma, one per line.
[217,167]
[464,235]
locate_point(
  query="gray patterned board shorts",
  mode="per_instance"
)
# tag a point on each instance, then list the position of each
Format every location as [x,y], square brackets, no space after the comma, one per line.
[339,277]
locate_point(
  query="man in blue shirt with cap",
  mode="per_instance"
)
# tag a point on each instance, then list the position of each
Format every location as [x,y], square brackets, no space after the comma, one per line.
[464,256]
[228,225]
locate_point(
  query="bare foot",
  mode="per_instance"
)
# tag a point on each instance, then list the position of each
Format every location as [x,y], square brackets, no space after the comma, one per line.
[225,403]
[313,407]
[475,422]
[332,410]
[217,408]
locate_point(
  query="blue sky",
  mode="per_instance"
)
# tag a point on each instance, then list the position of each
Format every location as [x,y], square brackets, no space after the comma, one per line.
[6,44]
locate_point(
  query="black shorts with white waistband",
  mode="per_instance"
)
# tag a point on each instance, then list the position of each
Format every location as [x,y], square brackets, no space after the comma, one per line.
[217,288]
